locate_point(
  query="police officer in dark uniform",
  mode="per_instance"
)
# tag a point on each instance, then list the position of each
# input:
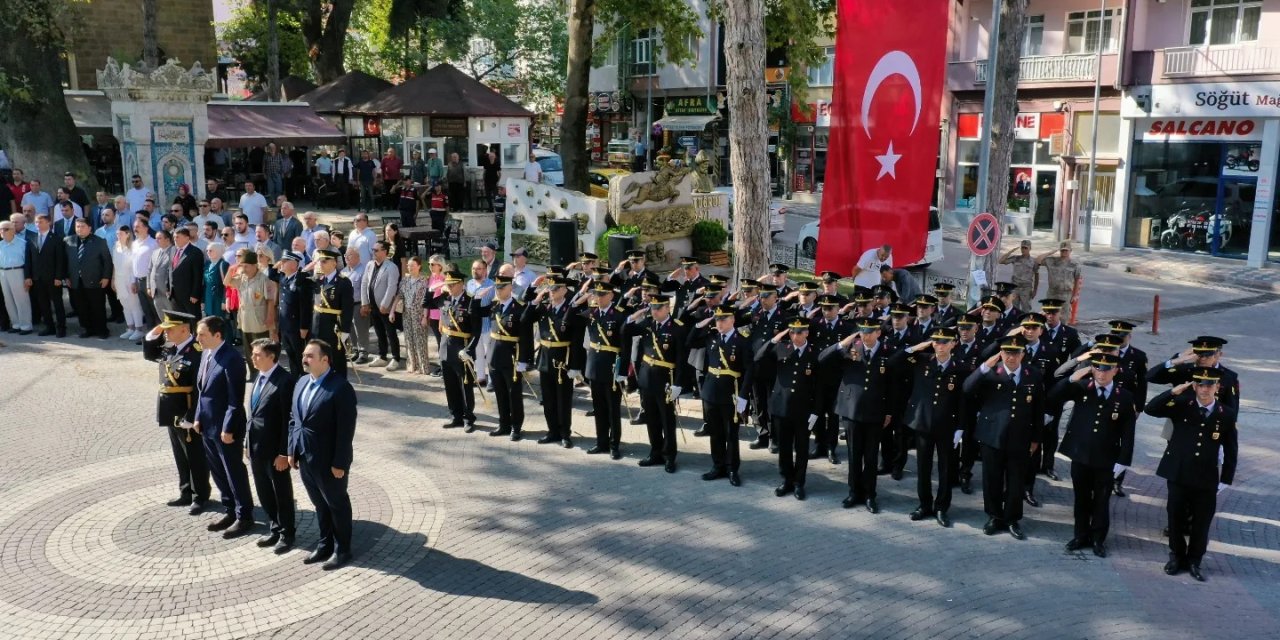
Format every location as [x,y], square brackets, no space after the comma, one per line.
[825,330]
[968,351]
[766,320]
[332,307]
[1099,441]
[560,354]
[1203,426]
[172,345]
[947,313]
[607,361]
[778,273]
[1010,397]
[1205,351]
[926,320]
[896,438]
[728,377]
[863,402]
[831,286]
[1132,367]
[661,343]
[509,357]
[460,317]
[794,397]
[990,328]
[293,317]
[1064,338]
[935,411]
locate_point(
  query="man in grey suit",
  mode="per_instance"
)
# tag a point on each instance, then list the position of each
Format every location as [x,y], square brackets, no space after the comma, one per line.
[379,286]
[89,269]
[287,227]
[160,280]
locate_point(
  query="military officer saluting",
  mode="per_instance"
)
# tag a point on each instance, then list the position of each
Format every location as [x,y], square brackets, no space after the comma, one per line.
[728,376]
[172,345]
[1204,427]
[1064,338]
[509,357]
[1205,351]
[607,360]
[560,356]
[1099,441]
[947,313]
[825,330]
[767,319]
[1133,364]
[332,307]
[969,352]
[794,400]
[294,314]
[459,338]
[661,343]
[935,411]
[863,404]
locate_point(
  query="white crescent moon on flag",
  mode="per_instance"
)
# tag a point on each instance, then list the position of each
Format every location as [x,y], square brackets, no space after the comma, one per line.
[892,63]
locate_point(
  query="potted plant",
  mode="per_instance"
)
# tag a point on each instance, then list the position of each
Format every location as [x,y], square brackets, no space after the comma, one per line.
[708,238]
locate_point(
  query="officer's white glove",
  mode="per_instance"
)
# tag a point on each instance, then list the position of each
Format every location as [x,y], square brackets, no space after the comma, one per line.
[1048,418]
[675,391]
[812,421]
[522,367]
[1118,469]
[740,404]
[1221,486]
[620,379]
[957,438]
[575,374]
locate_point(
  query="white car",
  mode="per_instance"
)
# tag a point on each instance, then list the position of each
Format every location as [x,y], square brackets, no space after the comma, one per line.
[777,213]
[808,241]
[552,167]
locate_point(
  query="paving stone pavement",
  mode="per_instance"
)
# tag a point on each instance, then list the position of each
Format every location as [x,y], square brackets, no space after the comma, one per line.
[466,536]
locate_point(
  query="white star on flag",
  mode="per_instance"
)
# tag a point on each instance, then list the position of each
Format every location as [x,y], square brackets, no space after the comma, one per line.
[888,162]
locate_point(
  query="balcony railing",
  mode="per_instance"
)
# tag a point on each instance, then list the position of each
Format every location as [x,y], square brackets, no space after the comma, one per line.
[1181,62]
[1070,67]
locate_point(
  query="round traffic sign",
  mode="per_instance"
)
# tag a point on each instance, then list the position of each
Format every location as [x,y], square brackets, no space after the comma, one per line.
[984,234]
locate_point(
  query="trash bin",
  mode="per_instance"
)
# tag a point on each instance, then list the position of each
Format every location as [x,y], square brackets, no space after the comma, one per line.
[1018,224]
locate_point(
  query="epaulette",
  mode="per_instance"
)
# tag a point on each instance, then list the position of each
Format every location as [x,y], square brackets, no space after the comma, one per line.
[679,323]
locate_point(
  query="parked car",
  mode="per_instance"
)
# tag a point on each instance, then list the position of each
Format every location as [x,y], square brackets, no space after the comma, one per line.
[599,179]
[808,240]
[552,167]
[777,213]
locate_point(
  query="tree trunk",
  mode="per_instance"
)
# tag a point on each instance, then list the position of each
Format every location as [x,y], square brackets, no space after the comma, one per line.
[744,49]
[1003,80]
[36,130]
[150,34]
[273,53]
[326,36]
[573,125]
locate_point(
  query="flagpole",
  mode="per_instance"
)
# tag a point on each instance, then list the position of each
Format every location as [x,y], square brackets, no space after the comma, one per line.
[984,148]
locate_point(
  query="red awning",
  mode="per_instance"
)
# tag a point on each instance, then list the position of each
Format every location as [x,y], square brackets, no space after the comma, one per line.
[249,124]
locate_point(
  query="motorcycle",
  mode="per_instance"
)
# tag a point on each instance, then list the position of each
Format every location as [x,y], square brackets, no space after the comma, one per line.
[1193,230]
[1243,160]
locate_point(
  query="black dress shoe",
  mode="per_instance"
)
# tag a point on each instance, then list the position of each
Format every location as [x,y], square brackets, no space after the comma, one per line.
[966,486]
[833,457]
[499,432]
[702,432]
[223,523]
[896,474]
[24,332]
[882,471]
[715,474]
[238,529]
[471,427]
[873,506]
[1048,473]
[783,489]
[735,479]
[285,544]
[319,555]
[566,443]
[61,333]
[850,501]
[817,453]
[773,448]
[943,519]
[1195,573]
[547,440]
[992,527]
[591,413]
[921,513]
[197,507]
[452,424]
[269,541]
[46,333]
[651,462]
[516,436]
[1076,544]
[800,494]
[1030,498]
[762,443]
[670,467]
[180,501]
[84,335]
[615,453]
[1172,567]
[336,561]
[596,450]
[1165,532]
[1016,531]
[640,419]
[1118,489]
[1100,549]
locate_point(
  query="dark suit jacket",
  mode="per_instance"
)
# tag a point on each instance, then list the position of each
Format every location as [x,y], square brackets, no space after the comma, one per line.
[1009,416]
[285,230]
[187,279]
[796,394]
[935,406]
[320,434]
[294,313]
[1100,434]
[50,262]
[1191,458]
[866,387]
[85,272]
[269,418]
[220,403]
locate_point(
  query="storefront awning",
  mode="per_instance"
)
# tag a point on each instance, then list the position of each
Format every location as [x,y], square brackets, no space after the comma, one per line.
[250,124]
[91,111]
[686,123]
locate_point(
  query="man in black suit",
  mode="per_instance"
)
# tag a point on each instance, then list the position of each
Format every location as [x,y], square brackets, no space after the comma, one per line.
[186,288]
[220,419]
[270,403]
[1204,428]
[1099,441]
[1010,397]
[88,275]
[935,411]
[293,318]
[47,255]
[863,403]
[320,439]
[794,402]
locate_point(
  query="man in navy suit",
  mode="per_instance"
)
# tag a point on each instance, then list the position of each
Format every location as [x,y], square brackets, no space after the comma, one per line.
[320,437]
[269,406]
[220,420]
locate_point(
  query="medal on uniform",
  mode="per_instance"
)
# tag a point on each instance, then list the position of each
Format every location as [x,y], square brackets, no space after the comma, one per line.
[881,368]
[1215,435]
[1115,416]
[1028,398]
[951,386]
[808,372]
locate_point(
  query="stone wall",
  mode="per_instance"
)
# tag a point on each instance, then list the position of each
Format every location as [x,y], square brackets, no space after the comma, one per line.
[114,28]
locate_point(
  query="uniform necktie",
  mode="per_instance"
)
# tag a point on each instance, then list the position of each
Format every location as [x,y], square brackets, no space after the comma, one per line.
[1204,413]
[1102,393]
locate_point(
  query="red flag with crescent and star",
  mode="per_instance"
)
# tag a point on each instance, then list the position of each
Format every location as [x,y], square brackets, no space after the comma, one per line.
[883,147]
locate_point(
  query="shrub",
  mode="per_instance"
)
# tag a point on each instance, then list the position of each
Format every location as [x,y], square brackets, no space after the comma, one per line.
[708,235]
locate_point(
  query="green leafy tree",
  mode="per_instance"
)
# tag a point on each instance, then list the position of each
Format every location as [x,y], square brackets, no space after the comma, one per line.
[245,36]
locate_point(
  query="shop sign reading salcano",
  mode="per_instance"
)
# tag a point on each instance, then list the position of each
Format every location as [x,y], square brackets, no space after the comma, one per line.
[1200,129]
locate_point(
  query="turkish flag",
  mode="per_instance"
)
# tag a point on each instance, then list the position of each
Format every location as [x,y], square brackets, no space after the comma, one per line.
[883,149]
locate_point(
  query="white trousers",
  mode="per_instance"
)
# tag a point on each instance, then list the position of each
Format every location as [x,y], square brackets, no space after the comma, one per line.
[16,299]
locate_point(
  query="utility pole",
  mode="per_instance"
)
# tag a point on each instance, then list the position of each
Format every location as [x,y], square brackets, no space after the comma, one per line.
[984,148]
[1093,146]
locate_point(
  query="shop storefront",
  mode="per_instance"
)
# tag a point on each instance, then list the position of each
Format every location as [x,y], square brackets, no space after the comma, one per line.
[608,119]
[809,155]
[690,124]
[1035,175]
[1202,169]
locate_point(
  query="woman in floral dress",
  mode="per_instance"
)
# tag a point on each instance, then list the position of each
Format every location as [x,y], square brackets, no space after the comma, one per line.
[413,290]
